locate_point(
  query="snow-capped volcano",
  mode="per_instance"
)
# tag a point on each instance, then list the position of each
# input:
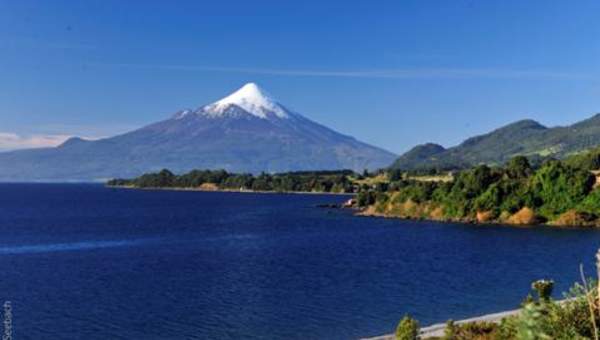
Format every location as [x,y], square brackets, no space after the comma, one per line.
[247,131]
[252,99]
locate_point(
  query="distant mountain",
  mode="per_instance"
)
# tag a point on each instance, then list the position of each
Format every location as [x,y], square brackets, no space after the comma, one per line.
[247,131]
[419,155]
[526,137]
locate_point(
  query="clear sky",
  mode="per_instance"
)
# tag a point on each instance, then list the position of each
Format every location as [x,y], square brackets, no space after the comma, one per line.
[391,73]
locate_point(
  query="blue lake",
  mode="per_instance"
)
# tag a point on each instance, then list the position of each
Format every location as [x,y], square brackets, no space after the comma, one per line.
[82,261]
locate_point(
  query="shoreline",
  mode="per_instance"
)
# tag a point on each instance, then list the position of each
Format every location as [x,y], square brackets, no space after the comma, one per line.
[365,212]
[473,221]
[437,330]
[228,190]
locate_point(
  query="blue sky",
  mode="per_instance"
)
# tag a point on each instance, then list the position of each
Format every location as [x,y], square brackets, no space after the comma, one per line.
[391,73]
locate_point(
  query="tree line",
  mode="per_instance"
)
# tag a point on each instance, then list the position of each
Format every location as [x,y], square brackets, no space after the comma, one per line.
[300,181]
[548,191]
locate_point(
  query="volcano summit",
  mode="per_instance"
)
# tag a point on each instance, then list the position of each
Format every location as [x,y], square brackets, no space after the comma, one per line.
[247,131]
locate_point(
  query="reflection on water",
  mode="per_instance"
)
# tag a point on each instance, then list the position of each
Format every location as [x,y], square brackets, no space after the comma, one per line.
[47,248]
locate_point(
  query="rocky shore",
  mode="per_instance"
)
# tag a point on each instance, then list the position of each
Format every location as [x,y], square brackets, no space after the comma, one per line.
[524,217]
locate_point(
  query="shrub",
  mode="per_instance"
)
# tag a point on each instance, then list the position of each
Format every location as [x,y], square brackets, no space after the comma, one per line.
[591,204]
[574,313]
[507,328]
[544,289]
[450,332]
[471,330]
[408,329]
[531,324]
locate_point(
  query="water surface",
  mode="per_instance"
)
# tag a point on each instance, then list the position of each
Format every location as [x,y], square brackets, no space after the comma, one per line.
[86,262]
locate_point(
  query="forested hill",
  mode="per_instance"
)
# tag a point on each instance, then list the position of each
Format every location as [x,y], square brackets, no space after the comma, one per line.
[527,138]
[301,181]
[565,193]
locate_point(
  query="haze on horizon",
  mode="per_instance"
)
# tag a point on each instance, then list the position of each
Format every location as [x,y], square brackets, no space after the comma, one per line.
[394,75]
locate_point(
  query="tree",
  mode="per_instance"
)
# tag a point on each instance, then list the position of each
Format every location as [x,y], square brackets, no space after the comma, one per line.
[395,175]
[365,198]
[164,178]
[588,161]
[518,167]
[558,188]
[475,181]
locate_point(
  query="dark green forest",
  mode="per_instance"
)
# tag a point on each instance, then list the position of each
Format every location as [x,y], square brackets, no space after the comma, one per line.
[302,181]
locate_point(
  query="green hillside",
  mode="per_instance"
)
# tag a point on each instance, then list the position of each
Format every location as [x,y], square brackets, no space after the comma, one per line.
[565,193]
[526,137]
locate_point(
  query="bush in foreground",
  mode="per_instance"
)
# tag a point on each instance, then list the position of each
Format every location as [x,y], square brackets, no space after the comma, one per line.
[575,317]
[408,329]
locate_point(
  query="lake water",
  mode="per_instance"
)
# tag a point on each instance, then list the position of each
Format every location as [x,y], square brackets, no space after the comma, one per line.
[88,262]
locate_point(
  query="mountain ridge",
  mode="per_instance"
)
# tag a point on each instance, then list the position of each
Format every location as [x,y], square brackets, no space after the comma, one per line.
[524,137]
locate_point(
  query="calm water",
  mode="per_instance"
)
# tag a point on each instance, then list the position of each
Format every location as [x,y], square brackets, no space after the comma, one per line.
[87,262]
